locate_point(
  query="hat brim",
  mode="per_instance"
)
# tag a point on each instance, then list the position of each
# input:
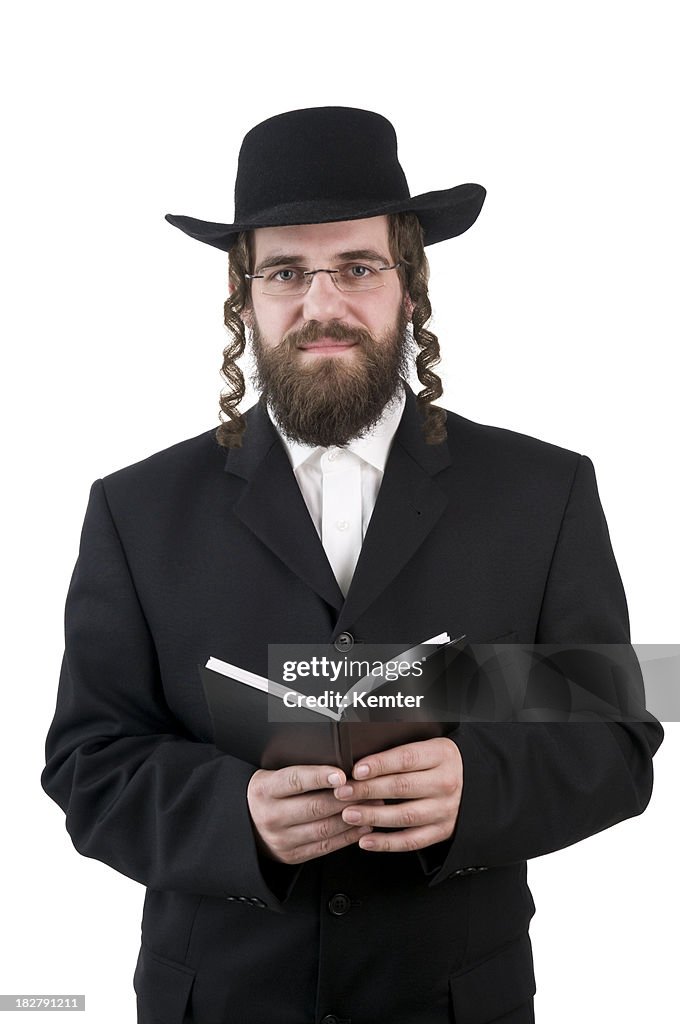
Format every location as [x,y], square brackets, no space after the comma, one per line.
[443,214]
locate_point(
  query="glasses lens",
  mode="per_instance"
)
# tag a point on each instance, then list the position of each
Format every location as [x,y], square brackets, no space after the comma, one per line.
[287,281]
[360,277]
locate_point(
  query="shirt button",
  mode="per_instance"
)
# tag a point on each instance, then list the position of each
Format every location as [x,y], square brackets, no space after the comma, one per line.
[339,904]
[344,642]
[330,1018]
[334,454]
[342,524]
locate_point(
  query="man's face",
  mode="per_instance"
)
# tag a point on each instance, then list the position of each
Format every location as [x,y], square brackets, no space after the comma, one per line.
[328,361]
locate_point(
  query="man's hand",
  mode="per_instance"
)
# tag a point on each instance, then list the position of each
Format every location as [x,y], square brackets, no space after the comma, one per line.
[428,778]
[295,814]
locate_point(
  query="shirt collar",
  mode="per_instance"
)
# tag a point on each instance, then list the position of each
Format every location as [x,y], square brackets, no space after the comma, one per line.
[373,447]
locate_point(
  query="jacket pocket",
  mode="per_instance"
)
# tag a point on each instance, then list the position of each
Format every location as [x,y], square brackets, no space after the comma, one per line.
[163,988]
[494,987]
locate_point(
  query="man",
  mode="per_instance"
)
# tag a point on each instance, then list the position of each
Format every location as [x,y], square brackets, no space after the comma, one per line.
[340,508]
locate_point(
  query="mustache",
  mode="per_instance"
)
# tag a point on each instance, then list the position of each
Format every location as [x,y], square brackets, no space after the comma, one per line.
[313,330]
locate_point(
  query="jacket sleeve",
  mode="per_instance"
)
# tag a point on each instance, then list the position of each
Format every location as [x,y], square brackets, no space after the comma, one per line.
[138,793]
[530,788]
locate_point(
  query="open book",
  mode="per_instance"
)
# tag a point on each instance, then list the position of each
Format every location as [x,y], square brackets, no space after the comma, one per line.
[272,725]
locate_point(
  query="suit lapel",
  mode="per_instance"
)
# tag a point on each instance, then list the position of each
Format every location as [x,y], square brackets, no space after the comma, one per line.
[409,504]
[272,505]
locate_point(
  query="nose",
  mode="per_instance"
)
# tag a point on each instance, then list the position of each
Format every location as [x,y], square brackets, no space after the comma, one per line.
[323,300]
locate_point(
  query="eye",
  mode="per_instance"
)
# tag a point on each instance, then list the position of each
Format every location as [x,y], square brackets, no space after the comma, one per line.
[288,275]
[359,270]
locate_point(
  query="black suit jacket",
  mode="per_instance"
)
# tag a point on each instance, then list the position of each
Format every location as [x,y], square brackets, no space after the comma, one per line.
[195,552]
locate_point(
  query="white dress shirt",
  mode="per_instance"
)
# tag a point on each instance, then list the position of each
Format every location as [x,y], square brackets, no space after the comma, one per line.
[340,486]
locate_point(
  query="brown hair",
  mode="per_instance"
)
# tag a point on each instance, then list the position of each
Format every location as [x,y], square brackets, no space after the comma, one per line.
[406,243]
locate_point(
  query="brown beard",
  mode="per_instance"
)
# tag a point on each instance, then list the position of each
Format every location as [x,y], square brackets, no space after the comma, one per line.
[332,400]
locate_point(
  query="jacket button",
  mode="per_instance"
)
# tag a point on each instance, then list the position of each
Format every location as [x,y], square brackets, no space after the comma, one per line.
[339,904]
[330,1018]
[344,642]
[257,902]
[466,871]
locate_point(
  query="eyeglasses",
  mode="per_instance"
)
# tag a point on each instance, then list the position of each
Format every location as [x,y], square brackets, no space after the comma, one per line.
[350,277]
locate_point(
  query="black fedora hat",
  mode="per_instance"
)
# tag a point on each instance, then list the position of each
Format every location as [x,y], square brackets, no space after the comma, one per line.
[324,164]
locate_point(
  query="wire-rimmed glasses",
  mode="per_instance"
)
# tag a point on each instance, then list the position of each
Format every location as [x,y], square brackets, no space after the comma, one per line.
[356,276]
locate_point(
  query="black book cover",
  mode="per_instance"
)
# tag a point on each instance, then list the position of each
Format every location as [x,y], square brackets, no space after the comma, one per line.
[252,722]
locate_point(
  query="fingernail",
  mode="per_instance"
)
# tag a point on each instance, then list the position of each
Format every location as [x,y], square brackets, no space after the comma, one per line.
[344,792]
[367,844]
[361,771]
[351,816]
[334,779]
[365,829]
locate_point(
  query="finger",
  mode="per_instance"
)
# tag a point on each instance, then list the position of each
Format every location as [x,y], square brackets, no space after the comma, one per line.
[402,842]
[409,757]
[407,786]
[317,832]
[410,814]
[302,779]
[298,810]
[320,849]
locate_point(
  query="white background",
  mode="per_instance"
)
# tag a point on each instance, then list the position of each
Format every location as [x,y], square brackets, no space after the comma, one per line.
[557,315]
